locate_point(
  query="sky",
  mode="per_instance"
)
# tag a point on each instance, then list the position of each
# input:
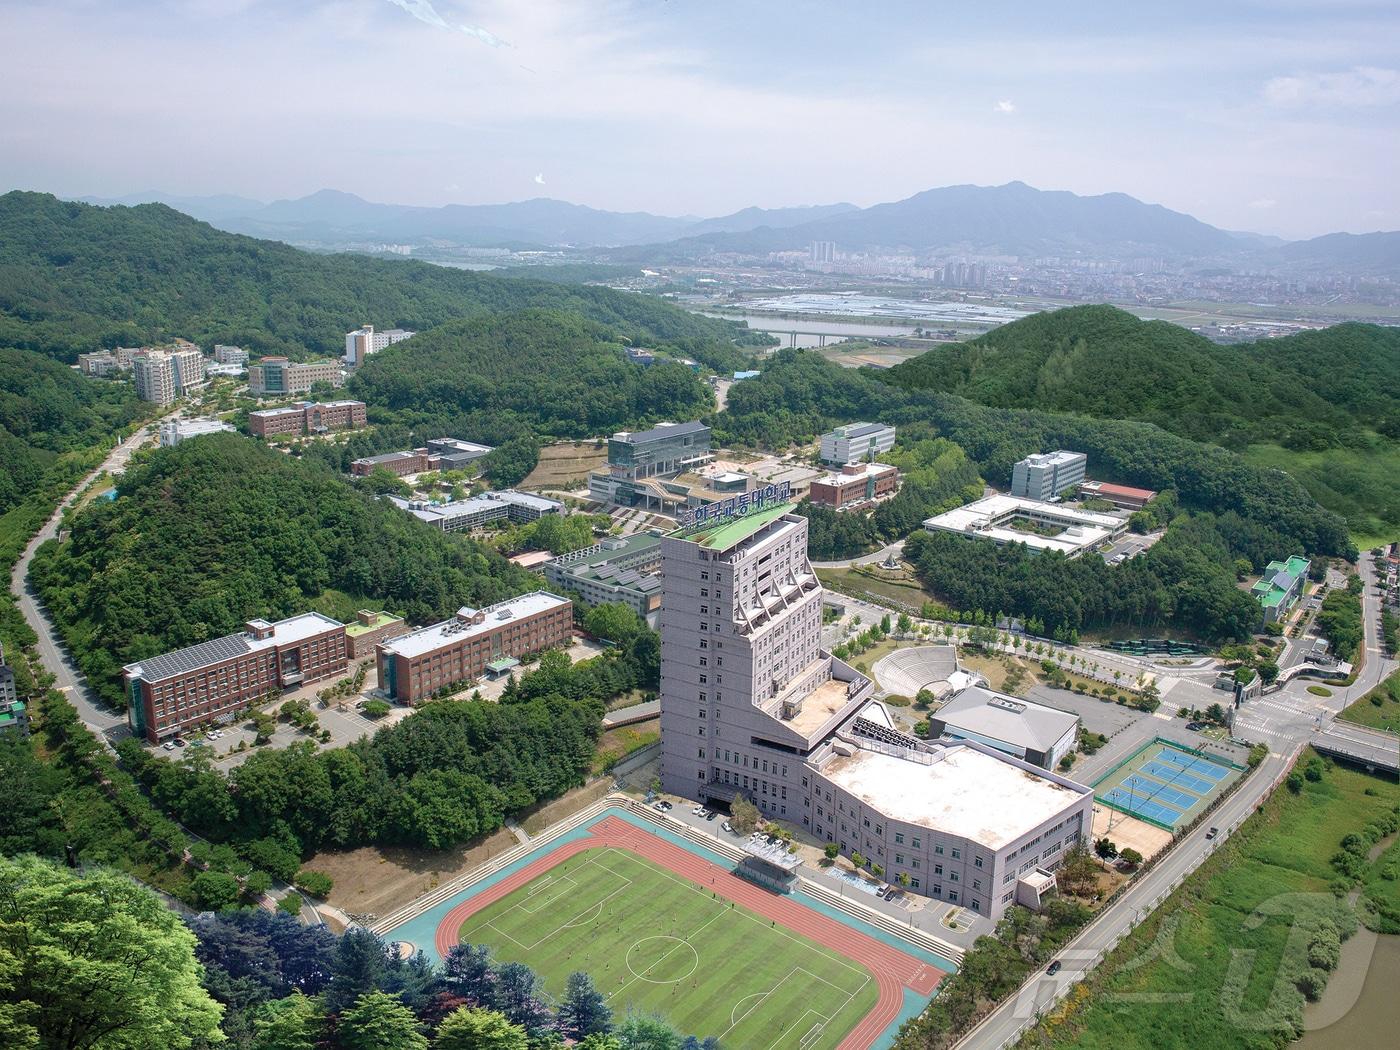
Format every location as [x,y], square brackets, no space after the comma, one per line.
[1277,116]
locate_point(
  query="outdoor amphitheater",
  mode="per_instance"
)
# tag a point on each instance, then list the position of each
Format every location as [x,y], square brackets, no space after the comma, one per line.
[906,671]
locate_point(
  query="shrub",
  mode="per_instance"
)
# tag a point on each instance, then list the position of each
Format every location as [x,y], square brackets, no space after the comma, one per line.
[832,851]
[256,884]
[291,904]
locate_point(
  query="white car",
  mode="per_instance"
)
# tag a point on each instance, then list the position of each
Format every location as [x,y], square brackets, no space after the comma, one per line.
[697,811]
[728,827]
[169,745]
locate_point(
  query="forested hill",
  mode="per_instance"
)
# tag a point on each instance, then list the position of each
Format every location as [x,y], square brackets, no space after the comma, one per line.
[800,394]
[74,277]
[212,532]
[1302,392]
[540,370]
[46,409]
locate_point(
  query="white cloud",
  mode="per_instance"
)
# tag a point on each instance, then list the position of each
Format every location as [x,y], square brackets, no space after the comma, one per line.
[539,179]
[1263,203]
[1005,106]
[1361,86]
[424,11]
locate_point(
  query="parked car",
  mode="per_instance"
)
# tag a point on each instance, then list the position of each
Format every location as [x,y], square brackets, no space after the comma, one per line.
[698,811]
[889,893]
[169,745]
[1054,967]
[710,814]
[726,826]
[179,742]
[663,806]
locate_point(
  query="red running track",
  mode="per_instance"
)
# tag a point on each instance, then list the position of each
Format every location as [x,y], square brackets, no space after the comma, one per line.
[893,969]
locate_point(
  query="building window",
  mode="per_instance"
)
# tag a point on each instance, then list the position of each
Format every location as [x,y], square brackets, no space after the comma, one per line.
[898,835]
[957,853]
[938,849]
[977,861]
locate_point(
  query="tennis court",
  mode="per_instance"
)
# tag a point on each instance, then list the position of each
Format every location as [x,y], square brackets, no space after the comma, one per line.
[1165,784]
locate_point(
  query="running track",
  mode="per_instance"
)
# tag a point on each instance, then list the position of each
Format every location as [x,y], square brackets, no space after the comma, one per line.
[893,969]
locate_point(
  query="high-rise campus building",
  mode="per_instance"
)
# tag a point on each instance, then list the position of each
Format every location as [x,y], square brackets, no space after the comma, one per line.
[752,706]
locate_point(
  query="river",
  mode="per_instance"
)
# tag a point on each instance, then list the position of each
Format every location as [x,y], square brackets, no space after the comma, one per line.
[1360,1002]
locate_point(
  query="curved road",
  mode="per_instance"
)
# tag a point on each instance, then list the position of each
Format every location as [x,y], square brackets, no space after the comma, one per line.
[107,724]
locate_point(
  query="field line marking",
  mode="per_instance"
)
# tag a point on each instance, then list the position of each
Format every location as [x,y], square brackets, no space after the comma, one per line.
[679,941]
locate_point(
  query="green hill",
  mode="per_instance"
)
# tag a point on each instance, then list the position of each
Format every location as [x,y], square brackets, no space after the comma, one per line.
[555,373]
[47,409]
[74,277]
[214,531]
[1298,403]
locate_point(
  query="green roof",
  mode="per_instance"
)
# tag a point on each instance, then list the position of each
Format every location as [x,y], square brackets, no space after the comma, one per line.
[503,663]
[1272,599]
[382,620]
[726,534]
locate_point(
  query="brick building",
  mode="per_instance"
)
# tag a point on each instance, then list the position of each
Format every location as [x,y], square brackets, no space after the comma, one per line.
[400,463]
[855,484]
[315,417]
[369,629]
[210,681]
[473,643]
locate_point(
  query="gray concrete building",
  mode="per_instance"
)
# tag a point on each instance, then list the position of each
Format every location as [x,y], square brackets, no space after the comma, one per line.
[619,569]
[752,706]
[1044,475]
[857,443]
[664,451]
[1038,734]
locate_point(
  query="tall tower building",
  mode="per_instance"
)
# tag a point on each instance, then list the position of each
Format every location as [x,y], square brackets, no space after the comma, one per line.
[153,373]
[753,707]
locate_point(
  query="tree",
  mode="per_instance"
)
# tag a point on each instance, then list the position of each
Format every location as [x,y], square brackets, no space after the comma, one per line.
[1130,857]
[468,1028]
[1105,849]
[382,480]
[293,1023]
[613,621]
[584,1010]
[1268,671]
[1078,871]
[379,1021]
[743,815]
[376,708]
[832,850]
[95,960]
[361,963]
[215,890]
[904,623]
[638,1032]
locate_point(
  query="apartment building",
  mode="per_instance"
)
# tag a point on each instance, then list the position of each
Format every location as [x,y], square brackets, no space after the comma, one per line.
[100,363]
[279,376]
[212,681]
[856,443]
[1044,475]
[619,569]
[473,643]
[315,417]
[752,706]
[230,355]
[854,485]
[364,341]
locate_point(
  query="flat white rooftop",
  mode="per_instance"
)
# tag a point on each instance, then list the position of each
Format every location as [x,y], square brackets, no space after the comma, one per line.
[866,471]
[450,632]
[216,650]
[968,793]
[991,517]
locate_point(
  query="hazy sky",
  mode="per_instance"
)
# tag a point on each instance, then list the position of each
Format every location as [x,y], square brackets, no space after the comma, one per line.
[1276,116]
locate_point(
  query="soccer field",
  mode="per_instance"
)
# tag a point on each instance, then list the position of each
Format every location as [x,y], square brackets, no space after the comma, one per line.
[657,943]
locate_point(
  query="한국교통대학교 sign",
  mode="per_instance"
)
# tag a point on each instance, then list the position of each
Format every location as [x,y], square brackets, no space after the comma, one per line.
[735,506]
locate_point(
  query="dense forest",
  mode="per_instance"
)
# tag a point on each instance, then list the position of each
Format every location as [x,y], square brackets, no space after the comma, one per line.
[1335,391]
[209,533]
[47,409]
[552,373]
[74,277]
[1186,582]
[800,394]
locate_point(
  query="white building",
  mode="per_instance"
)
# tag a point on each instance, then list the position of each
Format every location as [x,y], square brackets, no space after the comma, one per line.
[752,706]
[188,365]
[1040,526]
[183,429]
[365,341]
[230,355]
[1033,732]
[154,375]
[1045,475]
[857,443]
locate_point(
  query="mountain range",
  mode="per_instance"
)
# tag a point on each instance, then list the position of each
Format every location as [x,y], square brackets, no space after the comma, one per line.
[1012,219]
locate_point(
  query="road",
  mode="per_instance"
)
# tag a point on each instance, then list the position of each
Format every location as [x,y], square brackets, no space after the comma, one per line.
[896,548]
[1284,720]
[107,724]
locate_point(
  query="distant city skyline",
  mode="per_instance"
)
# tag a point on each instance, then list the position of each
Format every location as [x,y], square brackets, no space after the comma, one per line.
[1281,118]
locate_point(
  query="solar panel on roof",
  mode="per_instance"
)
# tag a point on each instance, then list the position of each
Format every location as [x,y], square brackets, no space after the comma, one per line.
[182,661]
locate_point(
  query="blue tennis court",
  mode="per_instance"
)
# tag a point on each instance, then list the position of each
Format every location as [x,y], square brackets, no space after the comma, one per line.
[1179,777]
[1201,766]
[1142,807]
[1146,787]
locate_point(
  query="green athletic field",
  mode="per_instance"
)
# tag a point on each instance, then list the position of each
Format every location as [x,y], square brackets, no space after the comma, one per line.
[656,943]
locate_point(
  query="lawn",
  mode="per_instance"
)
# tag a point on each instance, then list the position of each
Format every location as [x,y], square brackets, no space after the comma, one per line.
[1356,483]
[659,944]
[1380,708]
[1215,965]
